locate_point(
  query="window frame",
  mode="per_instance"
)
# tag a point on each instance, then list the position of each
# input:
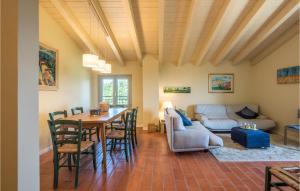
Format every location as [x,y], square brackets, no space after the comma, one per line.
[115,82]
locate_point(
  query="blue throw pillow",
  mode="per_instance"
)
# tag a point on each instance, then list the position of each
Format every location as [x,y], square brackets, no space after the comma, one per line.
[247,113]
[185,120]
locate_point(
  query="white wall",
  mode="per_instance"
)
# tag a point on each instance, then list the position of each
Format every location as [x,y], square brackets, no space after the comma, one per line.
[279,101]
[196,77]
[150,91]
[74,80]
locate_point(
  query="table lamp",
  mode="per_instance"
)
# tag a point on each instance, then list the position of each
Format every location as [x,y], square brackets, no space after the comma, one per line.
[167,104]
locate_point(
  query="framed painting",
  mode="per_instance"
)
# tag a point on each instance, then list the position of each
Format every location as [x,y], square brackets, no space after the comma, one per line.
[48,68]
[177,89]
[288,75]
[221,83]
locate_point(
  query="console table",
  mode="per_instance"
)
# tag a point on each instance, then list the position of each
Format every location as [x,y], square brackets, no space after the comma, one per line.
[291,127]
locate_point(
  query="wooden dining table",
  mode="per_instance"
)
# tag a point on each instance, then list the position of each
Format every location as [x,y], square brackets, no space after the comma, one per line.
[99,121]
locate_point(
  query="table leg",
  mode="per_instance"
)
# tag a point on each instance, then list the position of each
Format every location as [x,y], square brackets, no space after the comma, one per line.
[267,179]
[103,141]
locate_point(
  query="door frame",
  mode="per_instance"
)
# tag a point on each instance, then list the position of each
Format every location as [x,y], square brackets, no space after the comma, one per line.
[115,76]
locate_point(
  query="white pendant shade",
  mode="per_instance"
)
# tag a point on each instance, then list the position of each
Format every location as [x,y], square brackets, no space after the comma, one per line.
[107,69]
[100,66]
[89,60]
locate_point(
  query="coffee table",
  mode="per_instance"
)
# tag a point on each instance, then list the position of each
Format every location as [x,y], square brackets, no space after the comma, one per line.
[250,138]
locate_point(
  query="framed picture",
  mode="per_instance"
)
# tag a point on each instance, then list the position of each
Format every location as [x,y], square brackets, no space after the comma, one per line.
[177,89]
[220,83]
[48,68]
[288,75]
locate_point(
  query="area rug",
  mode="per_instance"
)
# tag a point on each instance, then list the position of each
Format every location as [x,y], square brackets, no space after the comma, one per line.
[233,152]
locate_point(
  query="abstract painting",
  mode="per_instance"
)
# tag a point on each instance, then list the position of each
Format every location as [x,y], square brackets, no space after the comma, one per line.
[177,89]
[48,68]
[220,83]
[288,75]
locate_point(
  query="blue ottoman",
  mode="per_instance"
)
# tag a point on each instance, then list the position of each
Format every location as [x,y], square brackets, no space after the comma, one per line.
[250,138]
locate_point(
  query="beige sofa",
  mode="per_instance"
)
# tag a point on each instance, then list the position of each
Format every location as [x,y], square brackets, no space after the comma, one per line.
[219,117]
[188,138]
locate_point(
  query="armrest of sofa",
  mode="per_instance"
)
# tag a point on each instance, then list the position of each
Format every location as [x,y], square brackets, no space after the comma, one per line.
[200,117]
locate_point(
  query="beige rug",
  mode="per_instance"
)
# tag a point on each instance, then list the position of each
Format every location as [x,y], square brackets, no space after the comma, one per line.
[236,152]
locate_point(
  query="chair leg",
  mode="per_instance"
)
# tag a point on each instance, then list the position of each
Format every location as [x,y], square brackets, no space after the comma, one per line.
[112,141]
[126,149]
[77,170]
[267,179]
[129,144]
[69,162]
[132,138]
[55,165]
[97,132]
[94,157]
[90,134]
[135,137]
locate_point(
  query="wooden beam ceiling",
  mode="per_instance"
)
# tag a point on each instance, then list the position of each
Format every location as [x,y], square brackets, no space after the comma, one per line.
[133,29]
[279,41]
[237,31]
[193,28]
[212,28]
[110,38]
[161,10]
[67,14]
[280,16]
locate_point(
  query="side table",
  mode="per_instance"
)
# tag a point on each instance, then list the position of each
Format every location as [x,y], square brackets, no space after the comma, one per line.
[291,127]
[162,126]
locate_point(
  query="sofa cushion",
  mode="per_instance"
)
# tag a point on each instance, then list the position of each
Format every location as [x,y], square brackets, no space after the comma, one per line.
[220,124]
[212,111]
[233,108]
[247,113]
[186,121]
[191,138]
[177,121]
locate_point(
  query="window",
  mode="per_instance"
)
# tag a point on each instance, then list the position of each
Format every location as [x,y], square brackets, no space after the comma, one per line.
[116,90]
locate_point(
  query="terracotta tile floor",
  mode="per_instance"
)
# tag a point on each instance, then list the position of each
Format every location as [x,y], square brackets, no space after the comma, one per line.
[154,167]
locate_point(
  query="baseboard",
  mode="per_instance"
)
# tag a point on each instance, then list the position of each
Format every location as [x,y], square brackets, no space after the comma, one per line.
[45,150]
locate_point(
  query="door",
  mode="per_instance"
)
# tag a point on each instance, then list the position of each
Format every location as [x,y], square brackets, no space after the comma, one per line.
[115,90]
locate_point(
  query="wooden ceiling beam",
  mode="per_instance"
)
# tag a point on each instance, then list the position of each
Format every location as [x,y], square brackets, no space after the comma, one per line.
[238,29]
[161,6]
[133,29]
[212,29]
[109,36]
[191,23]
[67,14]
[283,38]
[285,11]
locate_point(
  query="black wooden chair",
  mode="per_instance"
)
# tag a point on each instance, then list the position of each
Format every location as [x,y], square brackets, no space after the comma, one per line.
[76,110]
[91,130]
[121,137]
[69,143]
[134,133]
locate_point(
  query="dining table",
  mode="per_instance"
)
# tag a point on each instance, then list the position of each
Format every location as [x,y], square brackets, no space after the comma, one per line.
[99,122]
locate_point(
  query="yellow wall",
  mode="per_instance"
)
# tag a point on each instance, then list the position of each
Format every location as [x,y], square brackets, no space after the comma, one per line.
[74,80]
[135,70]
[279,101]
[196,77]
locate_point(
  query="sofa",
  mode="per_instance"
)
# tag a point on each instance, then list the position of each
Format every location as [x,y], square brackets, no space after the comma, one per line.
[220,117]
[188,138]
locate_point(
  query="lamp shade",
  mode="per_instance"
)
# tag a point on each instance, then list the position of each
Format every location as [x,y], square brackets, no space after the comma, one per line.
[107,69]
[167,104]
[100,66]
[89,60]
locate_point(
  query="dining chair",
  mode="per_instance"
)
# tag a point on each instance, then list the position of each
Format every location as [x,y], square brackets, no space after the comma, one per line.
[134,133]
[69,143]
[121,137]
[76,110]
[91,130]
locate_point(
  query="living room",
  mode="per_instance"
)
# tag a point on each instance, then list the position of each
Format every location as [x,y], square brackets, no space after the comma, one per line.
[183,95]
